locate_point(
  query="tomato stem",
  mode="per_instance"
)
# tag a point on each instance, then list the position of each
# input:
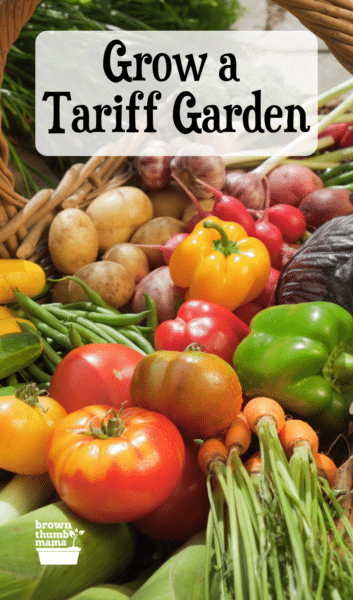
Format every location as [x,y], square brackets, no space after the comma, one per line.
[29,393]
[111,425]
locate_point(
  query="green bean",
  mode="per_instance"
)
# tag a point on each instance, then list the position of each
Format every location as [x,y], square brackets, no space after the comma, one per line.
[97,330]
[138,339]
[74,337]
[49,364]
[65,315]
[142,329]
[37,373]
[152,317]
[92,294]
[88,335]
[12,380]
[120,338]
[50,354]
[80,305]
[106,317]
[49,333]
[32,309]
[340,179]
[329,173]
[118,320]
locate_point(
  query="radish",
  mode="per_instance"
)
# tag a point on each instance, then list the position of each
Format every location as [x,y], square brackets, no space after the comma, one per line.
[247,311]
[289,219]
[267,232]
[286,254]
[267,296]
[336,131]
[226,208]
[290,183]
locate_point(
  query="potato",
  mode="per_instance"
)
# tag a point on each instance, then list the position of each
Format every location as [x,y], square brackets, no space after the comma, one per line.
[157,231]
[72,241]
[170,201]
[190,211]
[131,257]
[60,292]
[118,213]
[107,278]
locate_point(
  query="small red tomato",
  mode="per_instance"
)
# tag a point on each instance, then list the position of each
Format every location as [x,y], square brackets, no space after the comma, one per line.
[186,511]
[94,374]
[111,467]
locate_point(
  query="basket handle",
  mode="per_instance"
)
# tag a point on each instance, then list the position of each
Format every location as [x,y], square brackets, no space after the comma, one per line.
[13,15]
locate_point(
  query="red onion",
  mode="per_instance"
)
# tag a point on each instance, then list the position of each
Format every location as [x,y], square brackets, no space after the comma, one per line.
[247,187]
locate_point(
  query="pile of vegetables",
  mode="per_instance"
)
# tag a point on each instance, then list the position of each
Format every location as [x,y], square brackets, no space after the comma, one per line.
[165,394]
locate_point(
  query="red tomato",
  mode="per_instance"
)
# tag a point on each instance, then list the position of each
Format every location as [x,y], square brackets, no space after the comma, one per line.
[94,374]
[123,475]
[186,511]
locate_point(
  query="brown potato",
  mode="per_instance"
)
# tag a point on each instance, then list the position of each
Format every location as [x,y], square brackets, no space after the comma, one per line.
[72,241]
[60,292]
[109,279]
[118,213]
[170,201]
[157,231]
[131,257]
[190,211]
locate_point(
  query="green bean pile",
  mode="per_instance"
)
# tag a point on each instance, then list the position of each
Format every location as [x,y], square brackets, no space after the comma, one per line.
[63,327]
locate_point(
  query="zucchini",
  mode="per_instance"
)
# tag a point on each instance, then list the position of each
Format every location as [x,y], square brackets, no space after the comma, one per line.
[17,351]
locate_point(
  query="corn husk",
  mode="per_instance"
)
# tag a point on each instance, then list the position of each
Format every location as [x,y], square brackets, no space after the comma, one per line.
[181,577]
[106,551]
[104,592]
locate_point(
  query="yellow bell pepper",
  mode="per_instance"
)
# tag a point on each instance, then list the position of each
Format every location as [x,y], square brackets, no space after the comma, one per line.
[26,276]
[218,263]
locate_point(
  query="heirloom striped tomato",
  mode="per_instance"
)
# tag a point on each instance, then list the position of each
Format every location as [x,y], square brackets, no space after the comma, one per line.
[197,391]
[110,466]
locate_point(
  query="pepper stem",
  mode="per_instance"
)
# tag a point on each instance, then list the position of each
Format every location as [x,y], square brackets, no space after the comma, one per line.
[224,244]
[338,370]
[343,367]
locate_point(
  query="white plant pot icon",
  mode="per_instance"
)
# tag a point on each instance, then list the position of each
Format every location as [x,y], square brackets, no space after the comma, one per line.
[59,556]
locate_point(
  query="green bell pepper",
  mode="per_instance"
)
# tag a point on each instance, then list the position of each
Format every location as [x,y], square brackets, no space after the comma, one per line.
[302,356]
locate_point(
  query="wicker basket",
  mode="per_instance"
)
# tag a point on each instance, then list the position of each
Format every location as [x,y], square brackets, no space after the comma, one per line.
[331,21]
[24,223]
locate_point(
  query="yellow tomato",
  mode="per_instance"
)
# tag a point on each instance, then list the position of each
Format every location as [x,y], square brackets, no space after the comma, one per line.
[11,325]
[26,422]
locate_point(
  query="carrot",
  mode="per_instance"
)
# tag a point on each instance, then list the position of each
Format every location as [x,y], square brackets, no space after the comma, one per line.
[262,408]
[238,435]
[211,453]
[295,433]
[326,468]
[253,464]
